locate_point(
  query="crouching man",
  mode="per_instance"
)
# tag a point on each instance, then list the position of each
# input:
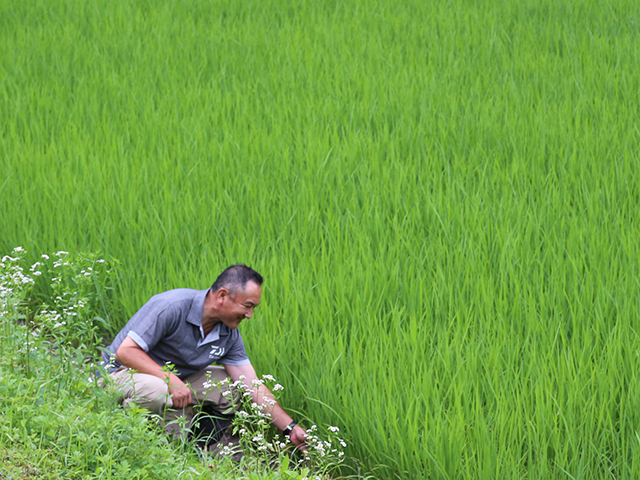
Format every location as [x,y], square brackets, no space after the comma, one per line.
[192,329]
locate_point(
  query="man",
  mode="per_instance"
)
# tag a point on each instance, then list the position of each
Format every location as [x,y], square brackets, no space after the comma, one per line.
[192,329]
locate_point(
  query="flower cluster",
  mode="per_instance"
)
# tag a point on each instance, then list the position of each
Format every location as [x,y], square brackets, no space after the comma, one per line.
[44,301]
[65,314]
[252,423]
[14,283]
[69,317]
[327,447]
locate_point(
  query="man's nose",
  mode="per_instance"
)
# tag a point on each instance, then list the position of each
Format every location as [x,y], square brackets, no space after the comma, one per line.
[248,314]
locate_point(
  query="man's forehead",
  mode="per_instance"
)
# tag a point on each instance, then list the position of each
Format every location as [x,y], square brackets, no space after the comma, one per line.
[252,292]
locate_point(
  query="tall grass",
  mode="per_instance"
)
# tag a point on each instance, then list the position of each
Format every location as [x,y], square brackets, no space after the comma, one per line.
[442,197]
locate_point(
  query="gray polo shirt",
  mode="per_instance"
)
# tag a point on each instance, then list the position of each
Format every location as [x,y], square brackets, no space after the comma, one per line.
[169,328]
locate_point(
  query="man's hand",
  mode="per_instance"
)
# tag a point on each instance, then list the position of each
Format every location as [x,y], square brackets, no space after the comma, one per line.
[299,437]
[180,393]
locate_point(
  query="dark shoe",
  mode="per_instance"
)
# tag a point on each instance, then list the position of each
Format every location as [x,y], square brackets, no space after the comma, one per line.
[209,427]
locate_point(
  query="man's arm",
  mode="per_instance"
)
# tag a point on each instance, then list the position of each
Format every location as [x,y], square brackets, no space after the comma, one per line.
[132,356]
[279,417]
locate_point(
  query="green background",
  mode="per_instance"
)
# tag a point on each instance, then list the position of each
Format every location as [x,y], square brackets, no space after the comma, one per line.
[442,197]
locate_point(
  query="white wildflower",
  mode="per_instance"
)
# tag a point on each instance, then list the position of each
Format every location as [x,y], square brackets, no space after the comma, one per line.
[226,450]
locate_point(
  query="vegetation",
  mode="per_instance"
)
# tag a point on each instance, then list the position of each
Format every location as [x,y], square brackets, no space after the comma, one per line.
[62,420]
[442,197]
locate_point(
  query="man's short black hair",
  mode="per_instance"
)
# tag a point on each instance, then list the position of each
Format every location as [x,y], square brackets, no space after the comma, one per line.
[235,278]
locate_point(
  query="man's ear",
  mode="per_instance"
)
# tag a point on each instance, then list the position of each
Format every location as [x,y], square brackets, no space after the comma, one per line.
[222,293]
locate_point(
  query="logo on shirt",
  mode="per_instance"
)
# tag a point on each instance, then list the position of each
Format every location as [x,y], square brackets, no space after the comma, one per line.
[216,352]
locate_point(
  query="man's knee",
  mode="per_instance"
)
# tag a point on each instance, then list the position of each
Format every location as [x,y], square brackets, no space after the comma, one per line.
[143,390]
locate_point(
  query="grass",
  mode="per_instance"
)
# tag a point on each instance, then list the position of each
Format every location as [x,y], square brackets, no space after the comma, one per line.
[441,197]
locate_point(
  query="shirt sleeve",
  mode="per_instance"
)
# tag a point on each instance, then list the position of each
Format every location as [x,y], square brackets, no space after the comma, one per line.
[153,322]
[236,354]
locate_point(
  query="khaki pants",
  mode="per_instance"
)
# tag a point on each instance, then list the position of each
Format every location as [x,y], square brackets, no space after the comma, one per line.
[152,393]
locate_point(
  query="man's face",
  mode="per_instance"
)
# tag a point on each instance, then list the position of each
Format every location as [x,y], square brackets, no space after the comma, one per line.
[238,306]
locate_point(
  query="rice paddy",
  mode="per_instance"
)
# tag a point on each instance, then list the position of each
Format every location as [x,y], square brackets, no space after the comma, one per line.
[442,198]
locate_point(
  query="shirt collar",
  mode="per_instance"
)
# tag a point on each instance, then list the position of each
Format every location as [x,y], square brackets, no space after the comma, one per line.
[213,336]
[197,306]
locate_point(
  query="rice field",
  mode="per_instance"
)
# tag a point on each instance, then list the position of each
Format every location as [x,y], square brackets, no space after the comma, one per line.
[442,198]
